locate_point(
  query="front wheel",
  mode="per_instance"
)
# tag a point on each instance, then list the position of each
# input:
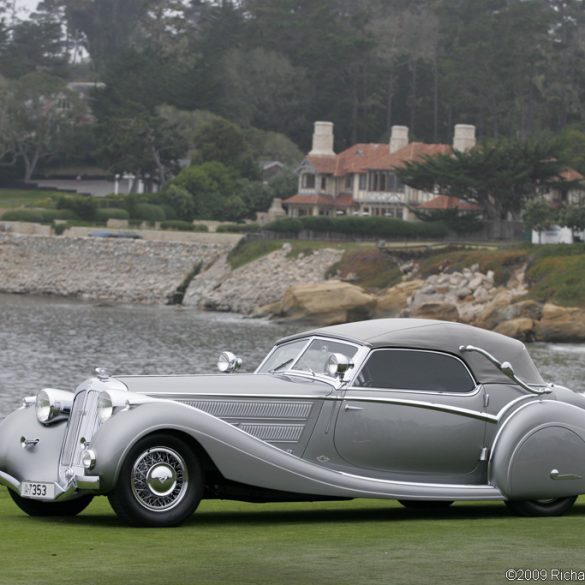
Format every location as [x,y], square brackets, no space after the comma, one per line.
[160,483]
[65,509]
[550,507]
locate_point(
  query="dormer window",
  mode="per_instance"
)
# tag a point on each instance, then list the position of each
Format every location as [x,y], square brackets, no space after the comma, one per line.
[308,181]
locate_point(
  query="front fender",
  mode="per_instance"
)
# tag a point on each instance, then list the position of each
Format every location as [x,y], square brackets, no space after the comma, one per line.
[540,452]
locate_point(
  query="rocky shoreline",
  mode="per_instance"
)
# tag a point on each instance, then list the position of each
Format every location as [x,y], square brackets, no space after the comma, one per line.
[279,285]
[100,269]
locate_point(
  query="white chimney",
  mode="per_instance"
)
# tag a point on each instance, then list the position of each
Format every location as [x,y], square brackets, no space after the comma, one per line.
[464,137]
[323,139]
[398,138]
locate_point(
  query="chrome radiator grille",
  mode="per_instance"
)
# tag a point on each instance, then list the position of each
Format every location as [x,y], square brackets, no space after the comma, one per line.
[82,424]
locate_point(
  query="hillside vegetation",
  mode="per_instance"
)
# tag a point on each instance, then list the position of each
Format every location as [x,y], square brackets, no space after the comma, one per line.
[554,273]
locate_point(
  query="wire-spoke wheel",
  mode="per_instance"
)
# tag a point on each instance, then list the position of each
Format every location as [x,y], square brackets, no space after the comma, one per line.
[548,507]
[160,483]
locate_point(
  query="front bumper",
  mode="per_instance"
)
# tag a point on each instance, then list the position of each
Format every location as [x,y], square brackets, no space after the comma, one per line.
[79,482]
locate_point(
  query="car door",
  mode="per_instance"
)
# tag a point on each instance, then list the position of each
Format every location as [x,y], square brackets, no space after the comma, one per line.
[413,412]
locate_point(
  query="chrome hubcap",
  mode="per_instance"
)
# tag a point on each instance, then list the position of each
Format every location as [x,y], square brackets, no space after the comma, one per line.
[159,479]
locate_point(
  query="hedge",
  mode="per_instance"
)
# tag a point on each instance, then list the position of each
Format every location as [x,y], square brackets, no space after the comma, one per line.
[184,226]
[148,212]
[238,228]
[38,215]
[373,226]
[111,213]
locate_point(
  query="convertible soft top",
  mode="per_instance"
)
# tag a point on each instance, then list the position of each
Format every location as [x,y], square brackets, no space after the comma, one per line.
[443,336]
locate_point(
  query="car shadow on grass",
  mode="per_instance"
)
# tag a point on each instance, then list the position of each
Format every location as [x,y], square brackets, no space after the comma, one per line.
[258,516]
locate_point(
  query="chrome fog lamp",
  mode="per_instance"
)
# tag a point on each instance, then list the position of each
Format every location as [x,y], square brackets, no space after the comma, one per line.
[228,362]
[105,407]
[88,459]
[52,405]
[337,364]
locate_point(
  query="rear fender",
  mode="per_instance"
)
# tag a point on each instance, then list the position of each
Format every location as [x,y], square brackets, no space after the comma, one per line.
[540,452]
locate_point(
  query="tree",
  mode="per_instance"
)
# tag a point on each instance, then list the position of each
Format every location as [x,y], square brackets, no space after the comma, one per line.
[573,217]
[538,216]
[262,89]
[39,115]
[500,177]
[211,185]
[224,142]
[134,141]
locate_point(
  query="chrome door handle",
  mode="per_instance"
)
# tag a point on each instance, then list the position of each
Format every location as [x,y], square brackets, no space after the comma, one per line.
[557,475]
[349,407]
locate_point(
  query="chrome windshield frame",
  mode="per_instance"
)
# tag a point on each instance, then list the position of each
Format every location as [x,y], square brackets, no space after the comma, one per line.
[361,352]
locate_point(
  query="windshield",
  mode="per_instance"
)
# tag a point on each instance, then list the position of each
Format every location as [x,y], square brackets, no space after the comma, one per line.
[309,355]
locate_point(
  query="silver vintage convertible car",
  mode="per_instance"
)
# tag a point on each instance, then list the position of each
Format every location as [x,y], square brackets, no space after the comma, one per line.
[425,412]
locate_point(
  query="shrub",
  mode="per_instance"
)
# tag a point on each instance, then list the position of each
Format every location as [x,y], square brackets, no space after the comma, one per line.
[177,224]
[199,227]
[111,213]
[59,228]
[238,228]
[84,206]
[148,212]
[287,224]
[33,215]
[38,215]
[361,226]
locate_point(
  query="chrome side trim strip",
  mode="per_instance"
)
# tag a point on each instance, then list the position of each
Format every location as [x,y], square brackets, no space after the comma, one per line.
[430,406]
[181,398]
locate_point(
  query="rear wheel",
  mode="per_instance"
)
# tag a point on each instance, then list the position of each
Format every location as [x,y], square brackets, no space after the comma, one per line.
[426,504]
[68,508]
[160,483]
[550,507]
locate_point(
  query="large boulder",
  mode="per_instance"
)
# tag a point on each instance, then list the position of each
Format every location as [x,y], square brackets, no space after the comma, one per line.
[521,328]
[395,299]
[440,311]
[502,309]
[561,324]
[325,303]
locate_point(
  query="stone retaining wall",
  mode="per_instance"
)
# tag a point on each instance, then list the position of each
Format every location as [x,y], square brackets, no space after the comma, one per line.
[119,270]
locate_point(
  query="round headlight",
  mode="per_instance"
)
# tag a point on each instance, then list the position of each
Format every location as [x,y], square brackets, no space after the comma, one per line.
[105,407]
[336,364]
[228,362]
[43,406]
[53,405]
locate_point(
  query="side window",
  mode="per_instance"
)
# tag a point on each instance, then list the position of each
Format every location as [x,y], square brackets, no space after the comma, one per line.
[405,369]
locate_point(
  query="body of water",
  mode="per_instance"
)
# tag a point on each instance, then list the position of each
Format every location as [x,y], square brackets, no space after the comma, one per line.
[56,343]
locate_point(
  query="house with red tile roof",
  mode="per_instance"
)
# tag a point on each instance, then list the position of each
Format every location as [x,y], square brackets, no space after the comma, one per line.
[362,179]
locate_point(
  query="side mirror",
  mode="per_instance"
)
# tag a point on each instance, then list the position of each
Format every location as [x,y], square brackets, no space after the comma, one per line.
[228,362]
[337,364]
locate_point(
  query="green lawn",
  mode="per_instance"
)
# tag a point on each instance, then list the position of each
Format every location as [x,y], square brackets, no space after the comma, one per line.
[10,198]
[360,542]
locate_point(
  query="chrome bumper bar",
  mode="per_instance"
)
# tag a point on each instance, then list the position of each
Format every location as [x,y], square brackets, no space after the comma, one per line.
[81,482]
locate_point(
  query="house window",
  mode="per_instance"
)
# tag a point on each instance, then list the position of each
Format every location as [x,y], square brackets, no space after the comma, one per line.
[348,181]
[308,181]
[363,182]
[323,183]
[385,182]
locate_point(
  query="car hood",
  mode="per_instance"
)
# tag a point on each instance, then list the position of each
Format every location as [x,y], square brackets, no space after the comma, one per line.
[226,384]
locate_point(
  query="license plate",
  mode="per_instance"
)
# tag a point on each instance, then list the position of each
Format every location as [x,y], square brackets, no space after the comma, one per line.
[37,490]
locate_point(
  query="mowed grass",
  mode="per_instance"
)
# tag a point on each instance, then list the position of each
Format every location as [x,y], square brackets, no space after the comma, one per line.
[356,542]
[10,198]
